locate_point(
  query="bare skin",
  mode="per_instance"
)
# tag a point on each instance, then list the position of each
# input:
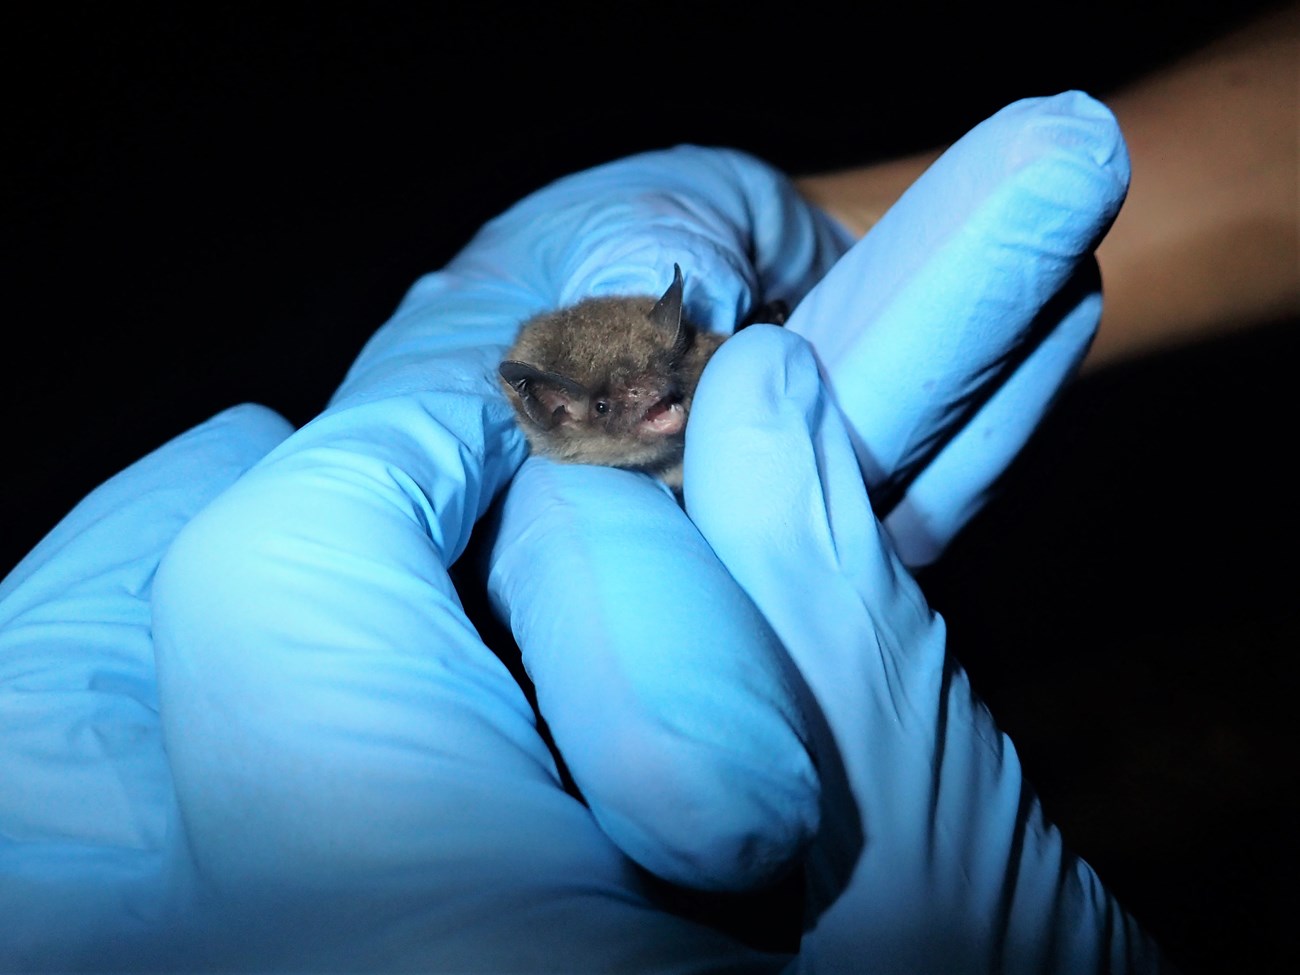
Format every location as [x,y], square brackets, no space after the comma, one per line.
[1208,240]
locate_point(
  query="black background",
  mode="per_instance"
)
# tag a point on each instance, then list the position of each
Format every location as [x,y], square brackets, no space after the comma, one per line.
[218,203]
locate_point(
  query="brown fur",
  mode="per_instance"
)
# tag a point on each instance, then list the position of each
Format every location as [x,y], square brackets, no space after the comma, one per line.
[609,381]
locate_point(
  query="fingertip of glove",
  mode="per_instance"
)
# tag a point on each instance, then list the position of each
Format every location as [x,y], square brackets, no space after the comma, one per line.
[1095,121]
[1078,123]
[758,373]
[250,430]
[706,818]
[759,410]
[760,384]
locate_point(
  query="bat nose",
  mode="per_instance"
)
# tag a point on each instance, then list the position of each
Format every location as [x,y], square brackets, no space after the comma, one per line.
[650,387]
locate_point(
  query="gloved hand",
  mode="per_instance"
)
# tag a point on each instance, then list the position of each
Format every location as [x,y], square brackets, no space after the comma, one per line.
[351,778]
[933,855]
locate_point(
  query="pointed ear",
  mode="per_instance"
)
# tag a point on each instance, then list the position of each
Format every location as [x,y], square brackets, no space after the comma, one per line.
[667,313]
[547,398]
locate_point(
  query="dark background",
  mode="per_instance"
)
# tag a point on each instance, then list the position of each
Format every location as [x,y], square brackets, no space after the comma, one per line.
[215,204]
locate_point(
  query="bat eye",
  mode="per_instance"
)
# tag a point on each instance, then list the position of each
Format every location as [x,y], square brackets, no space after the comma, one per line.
[601,407]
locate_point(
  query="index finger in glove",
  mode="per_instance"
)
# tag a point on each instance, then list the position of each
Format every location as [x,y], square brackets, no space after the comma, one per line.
[978,284]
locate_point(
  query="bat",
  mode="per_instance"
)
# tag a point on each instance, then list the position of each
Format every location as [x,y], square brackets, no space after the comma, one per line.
[610,380]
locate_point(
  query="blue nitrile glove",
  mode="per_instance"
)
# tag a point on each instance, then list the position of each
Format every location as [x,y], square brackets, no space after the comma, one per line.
[360,782]
[94,871]
[933,854]
[973,307]
[945,334]
[359,777]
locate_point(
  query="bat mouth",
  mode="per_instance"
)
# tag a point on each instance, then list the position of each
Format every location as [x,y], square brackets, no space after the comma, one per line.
[667,416]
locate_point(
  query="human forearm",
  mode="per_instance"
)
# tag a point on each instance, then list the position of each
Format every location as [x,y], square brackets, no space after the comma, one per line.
[1207,240]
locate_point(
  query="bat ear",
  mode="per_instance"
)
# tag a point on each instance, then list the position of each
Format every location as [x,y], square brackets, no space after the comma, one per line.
[667,312]
[547,398]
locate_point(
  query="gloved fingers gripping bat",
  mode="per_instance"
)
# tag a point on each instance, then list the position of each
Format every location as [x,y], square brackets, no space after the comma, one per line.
[324,697]
[339,738]
[963,334]
[609,380]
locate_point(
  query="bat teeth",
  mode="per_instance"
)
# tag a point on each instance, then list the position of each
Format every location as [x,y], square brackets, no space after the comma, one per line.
[667,416]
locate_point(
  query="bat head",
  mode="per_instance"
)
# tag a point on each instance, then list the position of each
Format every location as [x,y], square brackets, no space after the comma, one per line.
[606,381]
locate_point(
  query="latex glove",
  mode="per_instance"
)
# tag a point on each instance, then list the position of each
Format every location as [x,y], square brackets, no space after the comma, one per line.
[361,783]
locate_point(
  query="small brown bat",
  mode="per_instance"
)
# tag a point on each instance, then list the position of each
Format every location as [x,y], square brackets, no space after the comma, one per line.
[610,381]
